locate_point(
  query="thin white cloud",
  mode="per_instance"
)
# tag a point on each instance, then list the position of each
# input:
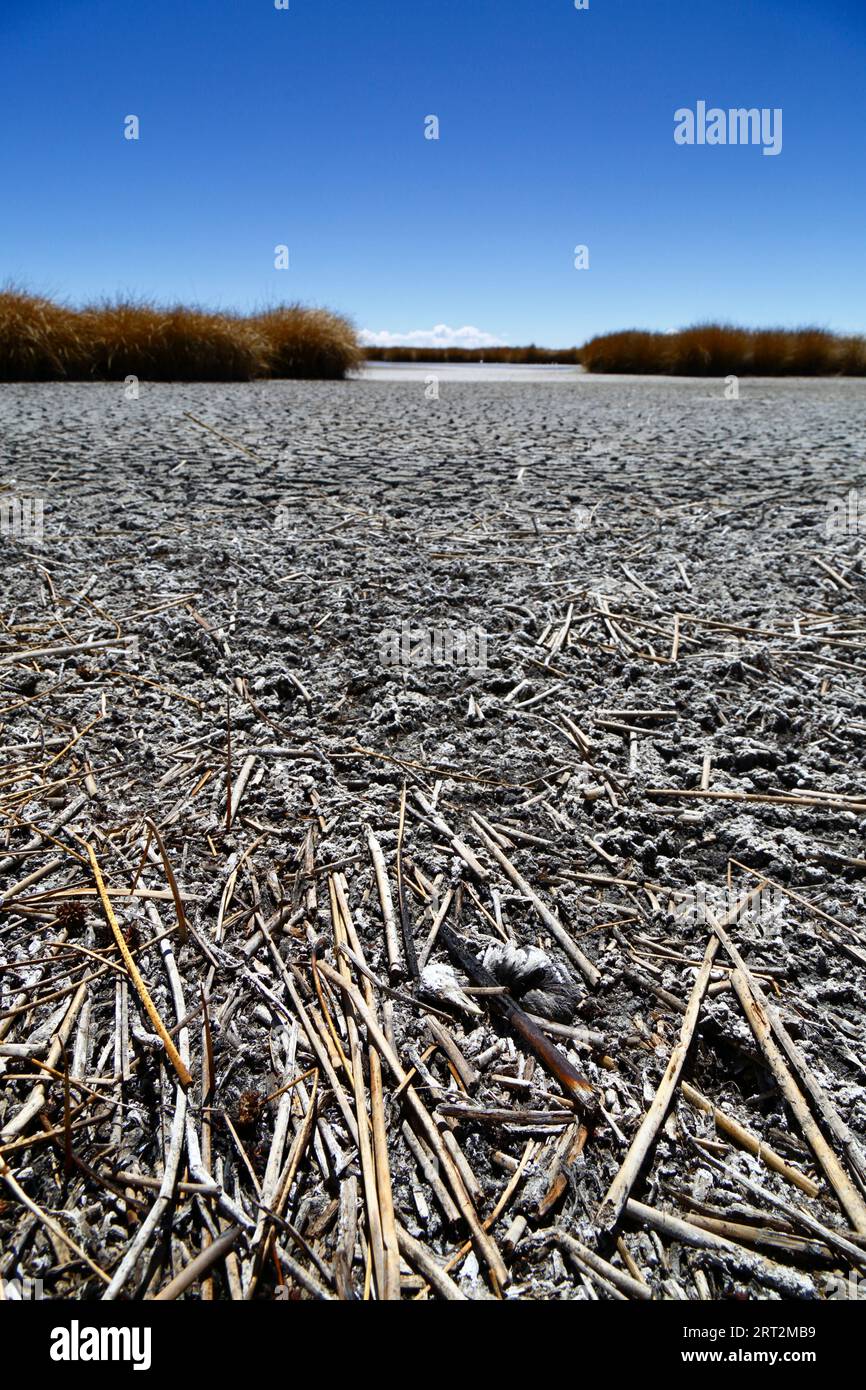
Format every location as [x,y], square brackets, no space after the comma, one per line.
[442,336]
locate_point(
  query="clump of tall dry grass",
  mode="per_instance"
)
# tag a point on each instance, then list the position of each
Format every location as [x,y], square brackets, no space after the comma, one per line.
[172,344]
[629,351]
[713,349]
[39,341]
[303,342]
[43,341]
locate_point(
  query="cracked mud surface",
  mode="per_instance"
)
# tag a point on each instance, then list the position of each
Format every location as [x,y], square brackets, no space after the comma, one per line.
[260,569]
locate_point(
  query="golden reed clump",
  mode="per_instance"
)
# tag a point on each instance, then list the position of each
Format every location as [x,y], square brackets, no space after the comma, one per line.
[39,341]
[43,341]
[306,342]
[713,349]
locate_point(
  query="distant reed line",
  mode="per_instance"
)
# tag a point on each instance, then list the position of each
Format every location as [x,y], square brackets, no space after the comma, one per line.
[706,349]
[44,341]
[712,349]
[531,355]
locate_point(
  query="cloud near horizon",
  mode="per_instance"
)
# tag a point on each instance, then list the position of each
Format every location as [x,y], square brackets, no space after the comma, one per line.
[442,336]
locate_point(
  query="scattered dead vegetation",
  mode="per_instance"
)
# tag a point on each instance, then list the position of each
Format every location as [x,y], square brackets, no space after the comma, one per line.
[437,1009]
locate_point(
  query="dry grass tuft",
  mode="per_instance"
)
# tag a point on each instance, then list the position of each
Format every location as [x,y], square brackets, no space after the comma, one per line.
[173,344]
[307,342]
[39,341]
[713,349]
[42,341]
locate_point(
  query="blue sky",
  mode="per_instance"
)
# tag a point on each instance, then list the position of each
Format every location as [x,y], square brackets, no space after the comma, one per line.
[305,127]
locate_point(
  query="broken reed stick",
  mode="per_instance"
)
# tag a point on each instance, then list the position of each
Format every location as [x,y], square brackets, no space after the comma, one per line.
[434,930]
[405,917]
[568,1149]
[172,881]
[69,649]
[381,1263]
[772,1239]
[617,1194]
[239,787]
[770,1018]
[750,1142]
[9,861]
[464,1068]
[591,973]
[228,761]
[599,1270]
[460,848]
[774,798]
[36,1100]
[390,1286]
[503,1115]
[850,1199]
[392,939]
[390,1289]
[675,645]
[797,1214]
[199,1266]
[419,1256]
[483,1241]
[172,1053]
[723,1251]
[824,1105]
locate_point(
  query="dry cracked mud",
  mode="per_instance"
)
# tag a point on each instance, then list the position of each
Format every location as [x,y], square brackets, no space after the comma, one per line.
[665,712]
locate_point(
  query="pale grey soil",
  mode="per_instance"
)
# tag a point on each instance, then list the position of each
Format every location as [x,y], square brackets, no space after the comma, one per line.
[325,516]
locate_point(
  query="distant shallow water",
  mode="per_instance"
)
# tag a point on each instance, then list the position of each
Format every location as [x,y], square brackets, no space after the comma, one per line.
[467,371]
[471,372]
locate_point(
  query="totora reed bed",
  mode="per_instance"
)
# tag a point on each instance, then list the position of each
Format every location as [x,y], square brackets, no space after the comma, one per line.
[43,341]
[110,340]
